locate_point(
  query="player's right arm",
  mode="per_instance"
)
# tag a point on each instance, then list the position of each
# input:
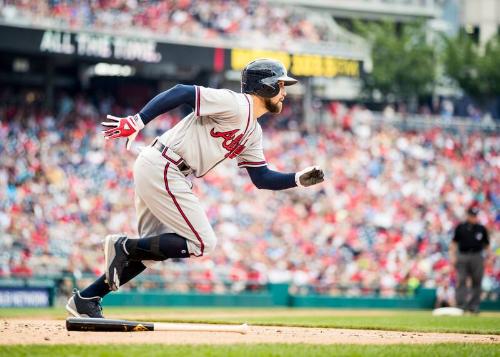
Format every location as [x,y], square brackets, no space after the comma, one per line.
[453,249]
[168,100]
[128,127]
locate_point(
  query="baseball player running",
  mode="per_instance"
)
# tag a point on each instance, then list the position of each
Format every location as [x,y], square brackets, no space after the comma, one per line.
[171,221]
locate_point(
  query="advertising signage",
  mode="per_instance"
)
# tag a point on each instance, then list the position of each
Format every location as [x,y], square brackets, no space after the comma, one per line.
[24,297]
[102,47]
[300,64]
[115,48]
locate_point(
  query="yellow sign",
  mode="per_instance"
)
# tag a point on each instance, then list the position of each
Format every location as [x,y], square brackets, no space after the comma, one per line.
[324,66]
[240,57]
[306,65]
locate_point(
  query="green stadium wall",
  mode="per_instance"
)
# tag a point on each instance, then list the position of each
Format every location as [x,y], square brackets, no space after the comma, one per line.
[277,296]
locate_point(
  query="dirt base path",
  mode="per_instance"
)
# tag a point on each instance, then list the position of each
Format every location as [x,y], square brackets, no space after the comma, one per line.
[16,331]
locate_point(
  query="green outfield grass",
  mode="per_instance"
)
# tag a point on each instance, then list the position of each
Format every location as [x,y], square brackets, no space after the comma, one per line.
[275,350]
[399,320]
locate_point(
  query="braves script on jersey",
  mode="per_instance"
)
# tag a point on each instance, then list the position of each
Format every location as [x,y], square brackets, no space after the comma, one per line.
[221,127]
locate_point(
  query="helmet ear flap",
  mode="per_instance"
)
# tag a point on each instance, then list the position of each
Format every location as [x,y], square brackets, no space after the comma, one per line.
[269,90]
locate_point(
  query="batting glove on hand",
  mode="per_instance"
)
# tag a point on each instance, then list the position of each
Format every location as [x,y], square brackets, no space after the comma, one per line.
[309,176]
[127,127]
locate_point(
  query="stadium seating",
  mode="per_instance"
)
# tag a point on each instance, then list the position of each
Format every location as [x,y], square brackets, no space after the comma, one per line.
[242,19]
[381,221]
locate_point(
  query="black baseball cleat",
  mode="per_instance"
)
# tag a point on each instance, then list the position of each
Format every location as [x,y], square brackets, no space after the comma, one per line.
[116,259]
[79,306]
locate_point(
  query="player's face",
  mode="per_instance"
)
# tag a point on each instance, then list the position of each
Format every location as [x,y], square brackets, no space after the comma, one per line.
[275,104]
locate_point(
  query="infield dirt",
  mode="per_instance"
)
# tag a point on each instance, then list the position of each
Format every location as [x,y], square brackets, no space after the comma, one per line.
[22,331]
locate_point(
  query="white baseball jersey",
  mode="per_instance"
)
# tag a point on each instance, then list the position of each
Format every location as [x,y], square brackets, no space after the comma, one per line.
[221,127]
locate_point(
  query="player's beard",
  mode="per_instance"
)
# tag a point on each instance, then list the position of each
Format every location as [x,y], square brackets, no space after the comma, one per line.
[274,108]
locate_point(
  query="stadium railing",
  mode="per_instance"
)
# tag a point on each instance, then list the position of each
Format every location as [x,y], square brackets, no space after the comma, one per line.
[425,122]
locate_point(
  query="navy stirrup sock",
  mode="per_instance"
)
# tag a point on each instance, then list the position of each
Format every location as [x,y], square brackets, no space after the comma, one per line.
[101,288]
[164,246]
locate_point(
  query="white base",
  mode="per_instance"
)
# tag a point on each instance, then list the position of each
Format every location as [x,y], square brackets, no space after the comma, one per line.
[447,311]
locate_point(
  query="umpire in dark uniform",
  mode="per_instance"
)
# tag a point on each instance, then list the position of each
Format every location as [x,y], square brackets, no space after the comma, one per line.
[466,253]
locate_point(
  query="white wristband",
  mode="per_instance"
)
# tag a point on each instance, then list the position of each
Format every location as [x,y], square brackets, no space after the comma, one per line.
[138,121]
[297,179]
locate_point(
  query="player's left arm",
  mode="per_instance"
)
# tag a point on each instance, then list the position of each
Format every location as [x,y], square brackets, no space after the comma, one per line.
[264,178]
[253,159]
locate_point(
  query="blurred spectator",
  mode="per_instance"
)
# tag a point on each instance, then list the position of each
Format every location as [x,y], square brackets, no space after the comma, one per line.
[445,295]
[447,109]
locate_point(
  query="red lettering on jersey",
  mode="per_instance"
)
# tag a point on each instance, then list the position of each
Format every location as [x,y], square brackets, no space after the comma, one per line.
[231,143]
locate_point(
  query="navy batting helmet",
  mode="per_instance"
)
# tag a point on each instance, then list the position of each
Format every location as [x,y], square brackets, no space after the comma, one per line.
[261,77]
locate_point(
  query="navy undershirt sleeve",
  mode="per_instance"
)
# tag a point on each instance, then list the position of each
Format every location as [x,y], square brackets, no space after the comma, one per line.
[263,178]
[168,100]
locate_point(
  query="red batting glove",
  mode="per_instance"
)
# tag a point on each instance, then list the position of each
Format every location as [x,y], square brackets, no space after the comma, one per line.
[127,127]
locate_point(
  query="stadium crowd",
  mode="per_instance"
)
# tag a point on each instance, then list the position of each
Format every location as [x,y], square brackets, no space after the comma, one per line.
[381,221]
[180,19]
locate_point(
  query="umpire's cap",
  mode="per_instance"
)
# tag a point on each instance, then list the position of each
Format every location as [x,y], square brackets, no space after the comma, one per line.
[473,211]
[261,77]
